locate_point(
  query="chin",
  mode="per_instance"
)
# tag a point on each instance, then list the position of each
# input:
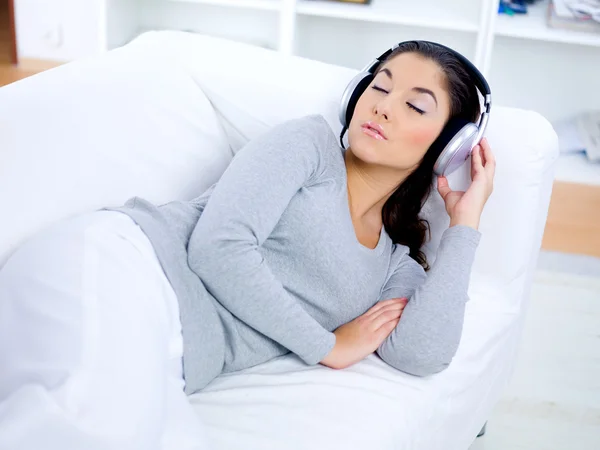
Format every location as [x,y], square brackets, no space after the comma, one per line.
[366,148]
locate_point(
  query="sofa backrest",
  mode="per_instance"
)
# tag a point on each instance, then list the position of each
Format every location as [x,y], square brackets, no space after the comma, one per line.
[161,117]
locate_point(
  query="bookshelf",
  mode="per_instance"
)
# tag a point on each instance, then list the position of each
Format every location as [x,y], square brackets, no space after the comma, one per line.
[529,65]
[503,47]
[428,14]
[436,15]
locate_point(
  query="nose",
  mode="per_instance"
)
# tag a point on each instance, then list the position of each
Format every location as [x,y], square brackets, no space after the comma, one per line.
[383,108]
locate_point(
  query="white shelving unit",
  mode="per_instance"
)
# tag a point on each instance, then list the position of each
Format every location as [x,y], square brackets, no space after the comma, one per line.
[528,64]
[294,26]
[267,5]
[435,16]
[563,81]
[555,72]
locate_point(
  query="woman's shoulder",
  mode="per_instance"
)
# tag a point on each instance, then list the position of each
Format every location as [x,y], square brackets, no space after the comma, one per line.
[308,120]
[315,132]
[315,126]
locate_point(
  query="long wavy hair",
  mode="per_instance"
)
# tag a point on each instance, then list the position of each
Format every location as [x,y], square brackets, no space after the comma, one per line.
[400,214]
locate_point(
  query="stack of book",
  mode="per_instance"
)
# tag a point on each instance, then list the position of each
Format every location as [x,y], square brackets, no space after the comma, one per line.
[576,15]
[580,134]
[512,7]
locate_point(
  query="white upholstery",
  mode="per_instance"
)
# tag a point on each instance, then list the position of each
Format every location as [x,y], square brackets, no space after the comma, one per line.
[96,132]
[161,117]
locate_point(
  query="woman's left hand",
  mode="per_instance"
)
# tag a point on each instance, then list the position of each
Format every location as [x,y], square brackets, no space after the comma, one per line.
[465,208]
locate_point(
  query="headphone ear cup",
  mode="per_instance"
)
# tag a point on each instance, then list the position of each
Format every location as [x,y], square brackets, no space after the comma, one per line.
[353,91]
[451,129]
[454,145]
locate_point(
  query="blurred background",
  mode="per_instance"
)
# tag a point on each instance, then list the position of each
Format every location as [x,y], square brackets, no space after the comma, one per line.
[542,55]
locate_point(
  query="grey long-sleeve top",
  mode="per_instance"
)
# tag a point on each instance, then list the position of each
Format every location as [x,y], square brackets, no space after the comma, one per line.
[273,244]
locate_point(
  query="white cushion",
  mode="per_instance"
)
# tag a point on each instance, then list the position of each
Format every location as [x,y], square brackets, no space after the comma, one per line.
[97,132]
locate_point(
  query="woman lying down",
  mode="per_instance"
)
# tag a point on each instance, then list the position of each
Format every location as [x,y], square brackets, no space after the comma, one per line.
[110,318]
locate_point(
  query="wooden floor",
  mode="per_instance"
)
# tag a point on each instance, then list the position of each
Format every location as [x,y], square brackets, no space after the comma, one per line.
[8,73]
[573,221]
[573,224]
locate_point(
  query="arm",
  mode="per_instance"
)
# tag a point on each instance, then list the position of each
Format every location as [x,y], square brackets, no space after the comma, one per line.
[244,208]
[427,336]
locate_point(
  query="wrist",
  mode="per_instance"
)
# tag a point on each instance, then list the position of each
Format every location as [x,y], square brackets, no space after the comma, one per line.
[334,359]
[465,220]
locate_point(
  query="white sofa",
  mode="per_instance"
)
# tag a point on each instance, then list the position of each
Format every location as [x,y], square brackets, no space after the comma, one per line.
[161,118]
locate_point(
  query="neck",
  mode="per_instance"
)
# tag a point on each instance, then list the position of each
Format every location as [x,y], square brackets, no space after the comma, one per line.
[369,187]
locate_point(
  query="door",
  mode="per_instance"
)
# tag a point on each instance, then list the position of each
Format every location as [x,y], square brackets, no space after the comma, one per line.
[8,42]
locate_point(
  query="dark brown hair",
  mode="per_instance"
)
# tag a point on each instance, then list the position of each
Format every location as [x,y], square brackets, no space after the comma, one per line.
[401,211]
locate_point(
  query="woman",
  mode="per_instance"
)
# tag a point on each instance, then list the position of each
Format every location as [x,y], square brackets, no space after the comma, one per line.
[300,247]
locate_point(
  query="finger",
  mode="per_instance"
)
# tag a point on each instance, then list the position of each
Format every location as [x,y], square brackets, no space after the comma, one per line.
[389,310]
[382,305]
[482,154]
[476,162]
[485,144]
[385,330]
[385,304]
[395,307]
[443,187]
[385,317]
[490,160]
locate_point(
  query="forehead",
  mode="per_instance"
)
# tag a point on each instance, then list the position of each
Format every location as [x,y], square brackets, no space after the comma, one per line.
[412,68]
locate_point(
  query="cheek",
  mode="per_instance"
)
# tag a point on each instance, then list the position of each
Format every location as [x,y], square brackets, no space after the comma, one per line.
[422,136]
[363,107]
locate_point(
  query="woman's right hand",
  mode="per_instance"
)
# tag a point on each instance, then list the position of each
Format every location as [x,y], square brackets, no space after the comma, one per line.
[359,338]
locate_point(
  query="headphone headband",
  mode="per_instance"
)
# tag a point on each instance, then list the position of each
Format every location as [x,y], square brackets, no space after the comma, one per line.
[478,77]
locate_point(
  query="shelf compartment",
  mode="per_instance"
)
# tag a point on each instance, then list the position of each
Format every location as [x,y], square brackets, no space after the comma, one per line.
[392,12]
[533,25]
[263,5]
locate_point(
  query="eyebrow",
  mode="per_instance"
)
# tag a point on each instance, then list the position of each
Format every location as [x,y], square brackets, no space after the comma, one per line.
[420,90]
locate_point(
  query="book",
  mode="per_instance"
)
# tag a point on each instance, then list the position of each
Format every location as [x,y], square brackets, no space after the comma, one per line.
[559,16]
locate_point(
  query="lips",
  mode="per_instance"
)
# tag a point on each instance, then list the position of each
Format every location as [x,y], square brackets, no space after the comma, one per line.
[374,130]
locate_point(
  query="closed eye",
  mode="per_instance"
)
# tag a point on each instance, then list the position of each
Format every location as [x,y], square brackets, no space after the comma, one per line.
[420,111]
[377,88]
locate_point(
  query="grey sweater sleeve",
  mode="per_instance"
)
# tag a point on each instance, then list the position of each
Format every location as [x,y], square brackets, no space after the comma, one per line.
[427,337]
[245,206]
